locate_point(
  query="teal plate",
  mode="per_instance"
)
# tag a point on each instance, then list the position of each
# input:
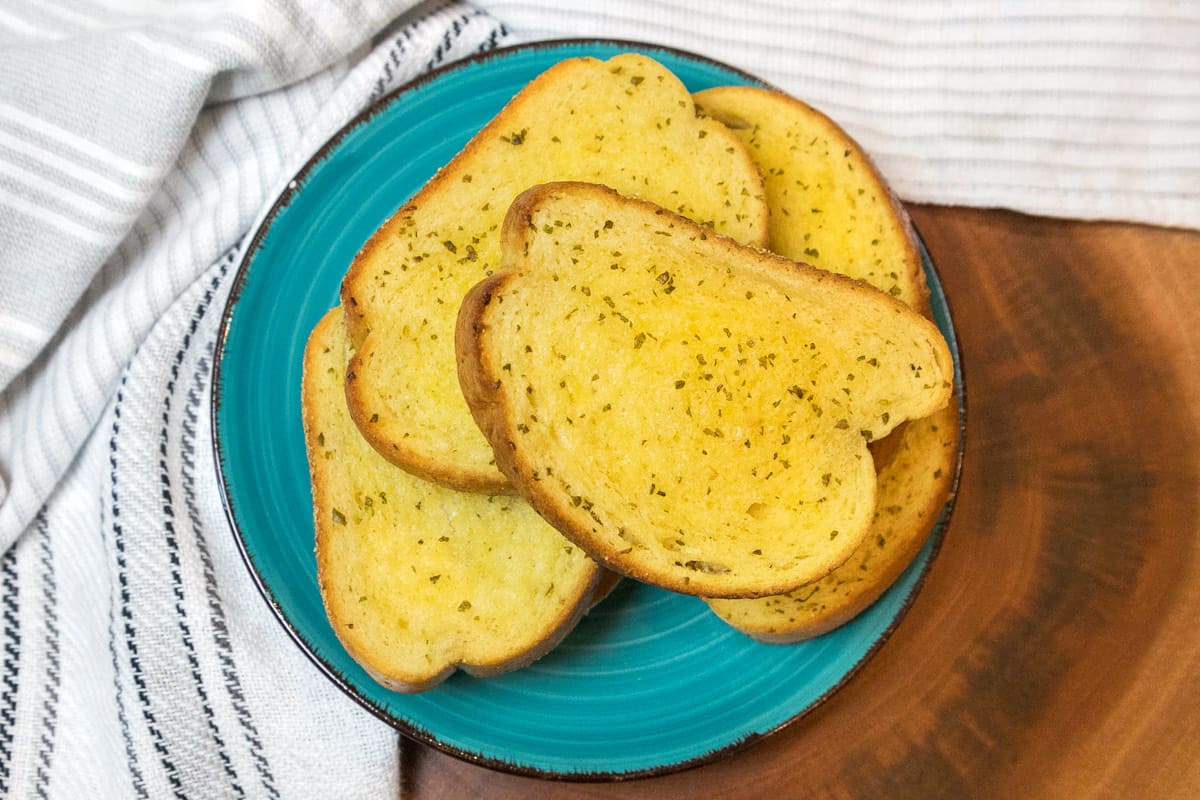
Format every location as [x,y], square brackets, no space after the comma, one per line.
[650,681]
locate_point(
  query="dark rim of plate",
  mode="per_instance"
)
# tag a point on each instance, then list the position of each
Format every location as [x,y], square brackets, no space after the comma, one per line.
[406,727]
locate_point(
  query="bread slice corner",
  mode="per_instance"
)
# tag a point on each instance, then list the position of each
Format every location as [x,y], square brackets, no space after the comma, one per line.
[830,206]
[913,488]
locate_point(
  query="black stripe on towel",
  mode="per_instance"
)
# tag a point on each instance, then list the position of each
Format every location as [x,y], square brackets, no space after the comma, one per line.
[10,680]
[456,29]
[45,752]
[401,45]
[493,41]
[172,541]
[216,612]
[139,781]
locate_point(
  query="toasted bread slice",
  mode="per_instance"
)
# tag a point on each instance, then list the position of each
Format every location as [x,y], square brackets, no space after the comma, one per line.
[626,122]
[830,207]
[809,163]
[418,579]
[913,488]
[692,412]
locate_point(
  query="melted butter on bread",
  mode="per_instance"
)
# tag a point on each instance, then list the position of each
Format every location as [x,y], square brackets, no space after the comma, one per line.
[692,412]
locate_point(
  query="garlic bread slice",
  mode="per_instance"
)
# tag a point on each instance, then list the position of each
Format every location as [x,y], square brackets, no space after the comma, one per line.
[627,122]
[418,579]
[692,412]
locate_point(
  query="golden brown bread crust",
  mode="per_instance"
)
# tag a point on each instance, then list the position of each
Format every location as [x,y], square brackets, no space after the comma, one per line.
[767,264]
[604,587]
[446,473]
[476,373]
[480,378]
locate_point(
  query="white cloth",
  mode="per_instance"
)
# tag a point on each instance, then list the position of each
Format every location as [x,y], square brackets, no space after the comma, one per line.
[1052,107]
[137,659]
[140,141]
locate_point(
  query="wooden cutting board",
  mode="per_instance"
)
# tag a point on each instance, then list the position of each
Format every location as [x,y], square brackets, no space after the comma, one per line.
[1055,649]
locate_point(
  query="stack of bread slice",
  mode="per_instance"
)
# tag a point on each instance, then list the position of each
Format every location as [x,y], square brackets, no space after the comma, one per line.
[831,208]
[581,310]
[419,579]
[627,123]
[693,413]
[427,561]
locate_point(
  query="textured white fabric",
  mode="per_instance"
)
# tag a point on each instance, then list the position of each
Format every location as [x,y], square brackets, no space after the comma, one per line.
[137,659]
[139,142]
[1052,107]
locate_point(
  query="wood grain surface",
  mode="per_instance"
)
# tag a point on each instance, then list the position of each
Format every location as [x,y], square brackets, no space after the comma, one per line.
[1055,649]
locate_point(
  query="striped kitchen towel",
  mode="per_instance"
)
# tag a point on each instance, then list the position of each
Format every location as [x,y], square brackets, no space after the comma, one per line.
[139,142]
[137,659]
